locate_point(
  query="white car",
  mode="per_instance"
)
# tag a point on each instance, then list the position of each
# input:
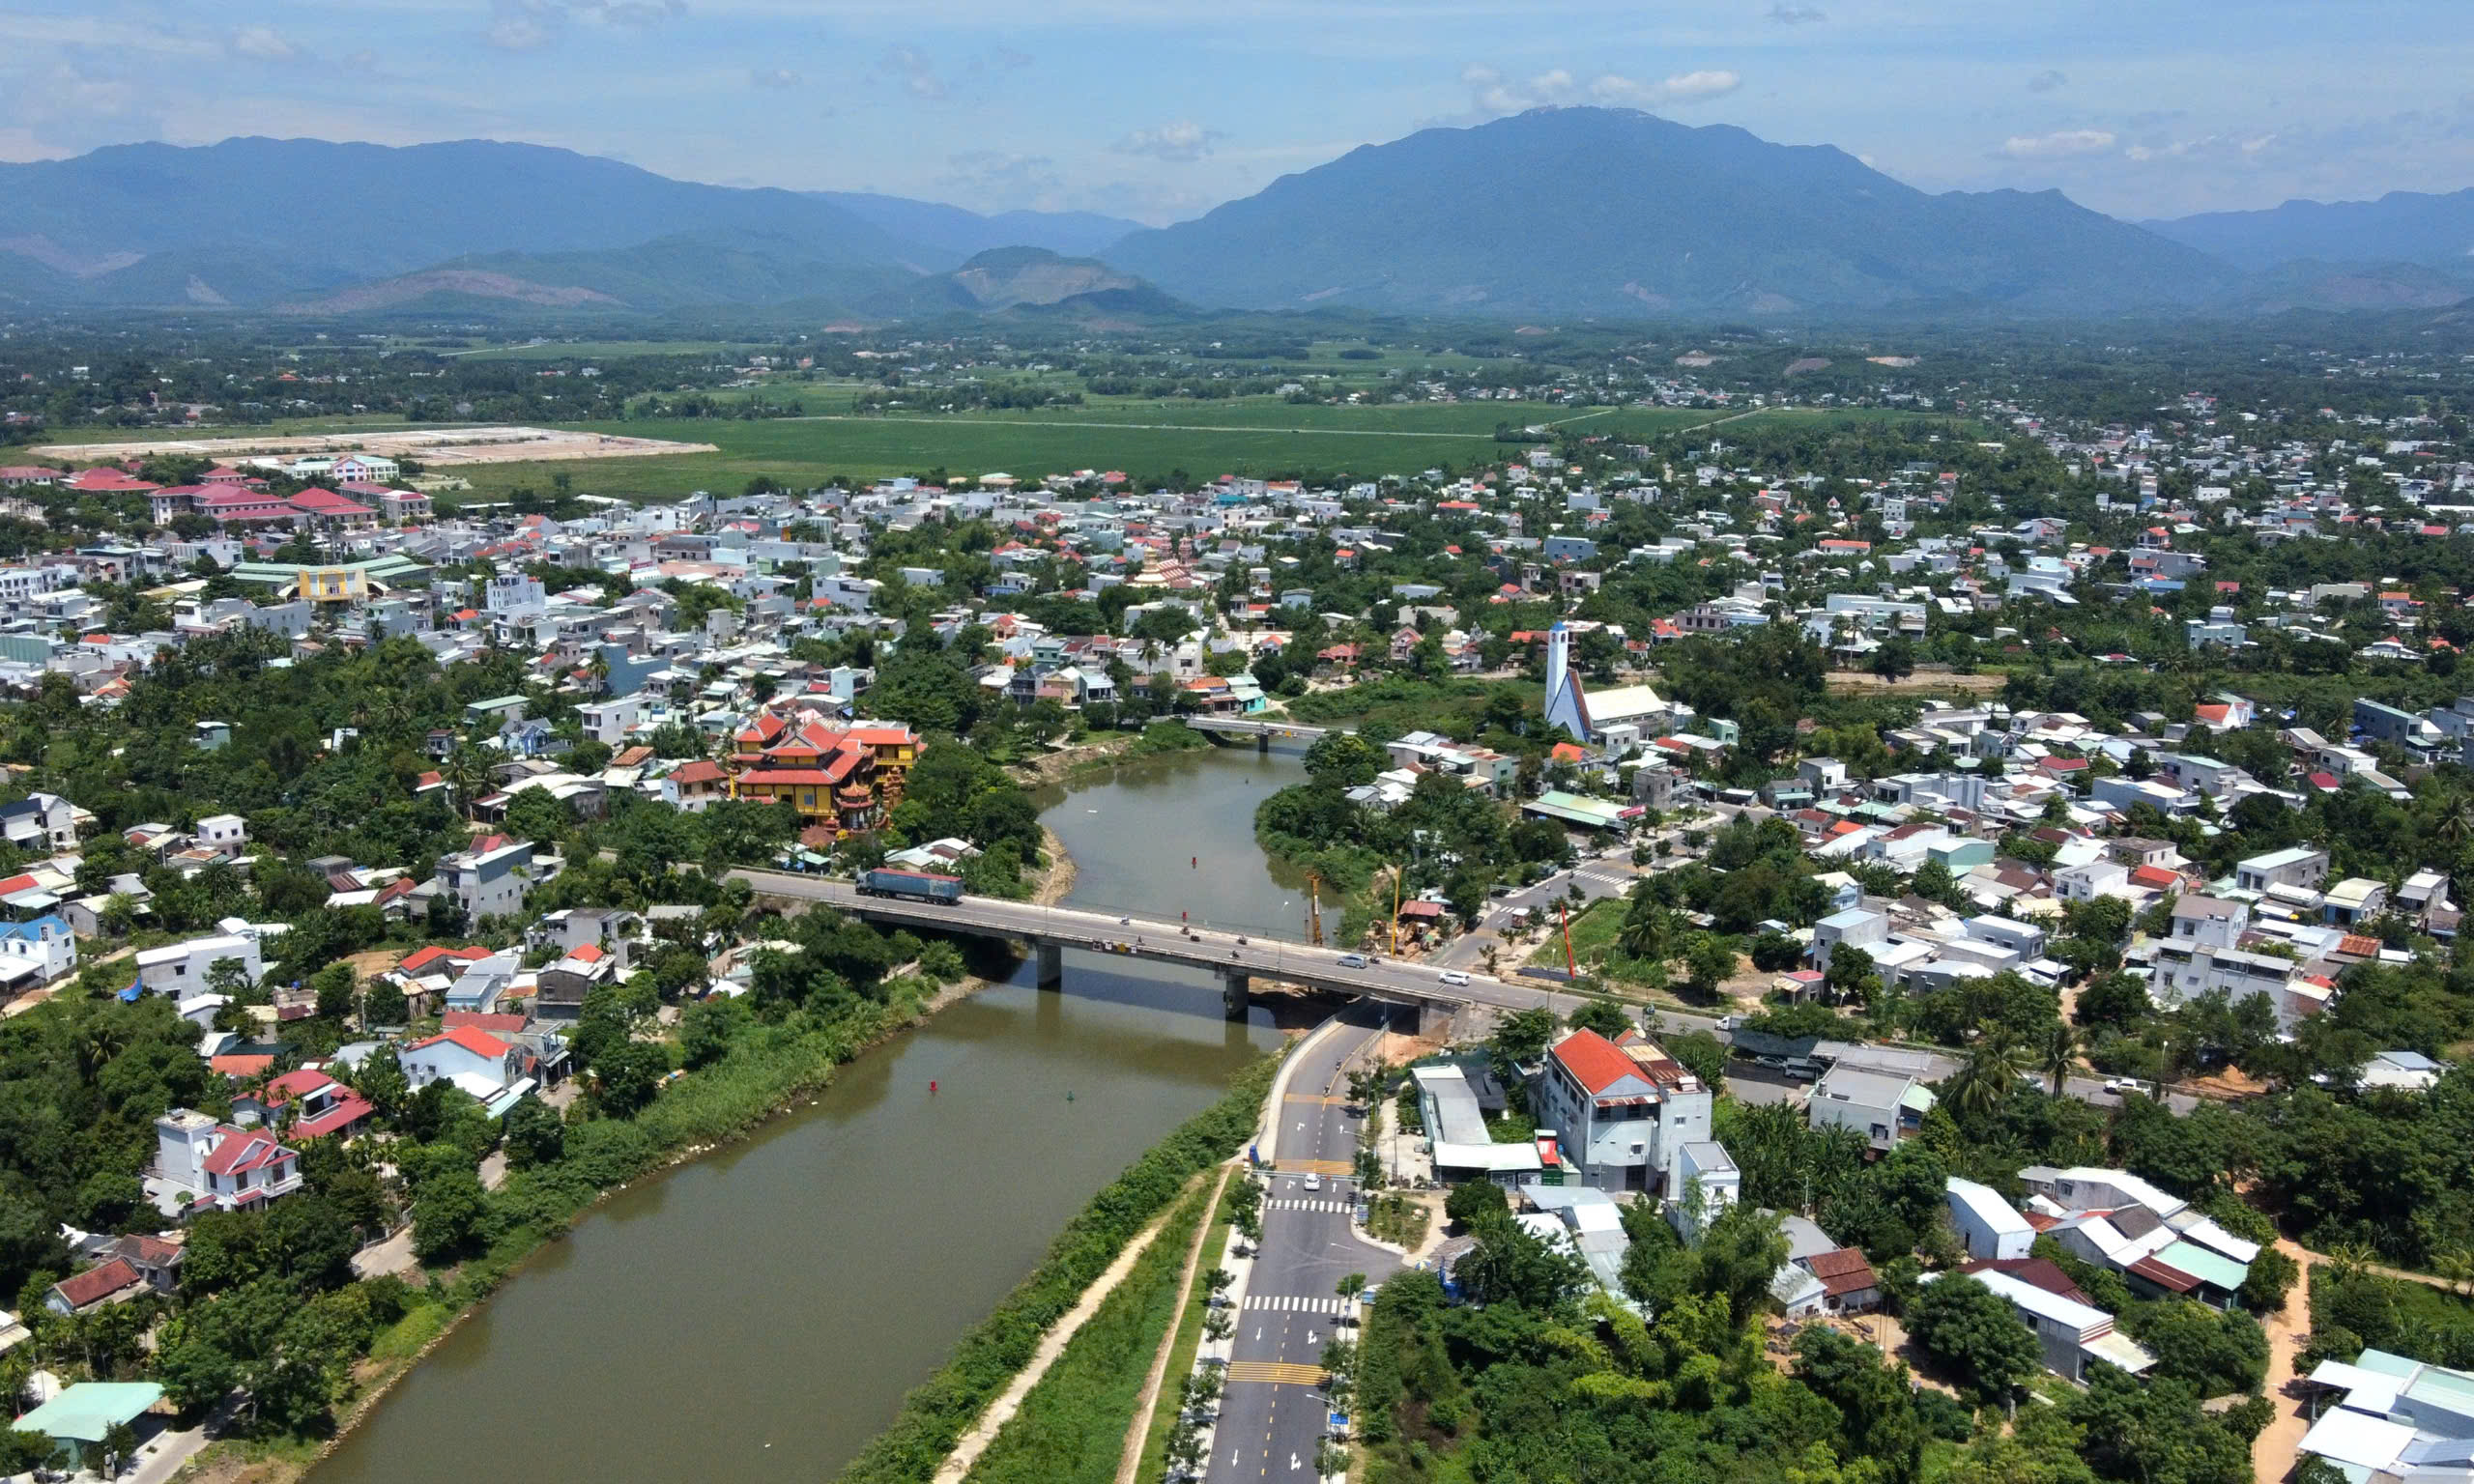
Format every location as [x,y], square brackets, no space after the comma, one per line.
[1313,1182]
[1453,977]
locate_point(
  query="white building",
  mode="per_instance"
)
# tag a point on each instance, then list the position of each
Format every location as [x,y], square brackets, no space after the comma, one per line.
[181,969]
[201,1164]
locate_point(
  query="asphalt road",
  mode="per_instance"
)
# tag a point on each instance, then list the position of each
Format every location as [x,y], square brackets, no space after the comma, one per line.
[1271,1418]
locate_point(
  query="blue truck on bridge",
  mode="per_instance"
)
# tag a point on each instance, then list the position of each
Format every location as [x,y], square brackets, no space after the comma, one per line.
[914,885]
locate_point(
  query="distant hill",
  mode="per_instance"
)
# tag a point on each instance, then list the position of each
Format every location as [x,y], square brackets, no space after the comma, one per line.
[250,219]
[1580,212]
[256,221]
[1613,212]
[966,233]
[698,269]
[2402,226]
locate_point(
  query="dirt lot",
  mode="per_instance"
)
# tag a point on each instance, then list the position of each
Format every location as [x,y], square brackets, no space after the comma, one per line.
[1857,682]
[435,448]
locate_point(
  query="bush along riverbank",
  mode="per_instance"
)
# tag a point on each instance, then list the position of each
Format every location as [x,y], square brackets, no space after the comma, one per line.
[1070,1427]
[936,1412]
[741,1063]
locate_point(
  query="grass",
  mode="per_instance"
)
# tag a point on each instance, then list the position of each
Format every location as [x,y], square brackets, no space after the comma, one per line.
[1147,439]
[1396,1220]
[1072,1425]
[598,350]
[937,1411]
[404,1338]
[1188,1343]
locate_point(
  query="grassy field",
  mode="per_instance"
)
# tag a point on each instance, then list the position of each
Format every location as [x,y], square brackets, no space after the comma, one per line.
[597,350]
[1145,439]
[1188,1343]
[1072,1425]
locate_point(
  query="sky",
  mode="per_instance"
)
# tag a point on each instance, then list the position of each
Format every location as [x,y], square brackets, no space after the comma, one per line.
[1160,109]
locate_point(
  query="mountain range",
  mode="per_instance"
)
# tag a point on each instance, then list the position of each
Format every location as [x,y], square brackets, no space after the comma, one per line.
[1580,212]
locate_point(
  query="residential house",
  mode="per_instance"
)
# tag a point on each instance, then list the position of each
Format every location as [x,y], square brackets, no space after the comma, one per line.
[494,879]
[204,1165]
[182,969]
[36,952]
[2072,1333]
[1620,1112]
[315,1104]
[1988,1226]
[1881,1107]
[470,1058]
[40,823]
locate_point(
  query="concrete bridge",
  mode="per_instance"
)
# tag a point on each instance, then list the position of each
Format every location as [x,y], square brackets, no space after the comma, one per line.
[1051,931]
[1261,732]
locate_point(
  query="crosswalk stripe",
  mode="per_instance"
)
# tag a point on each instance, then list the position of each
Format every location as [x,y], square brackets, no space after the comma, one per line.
[1275,1373]
[1294,1304]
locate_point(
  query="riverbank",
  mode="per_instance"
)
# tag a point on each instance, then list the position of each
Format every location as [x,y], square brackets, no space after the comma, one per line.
[935,1415]
[705,1114]
[1084,758]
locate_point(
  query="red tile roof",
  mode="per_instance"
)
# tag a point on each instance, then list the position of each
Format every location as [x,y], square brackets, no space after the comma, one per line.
[244,1150]
[422,960]
[1595,1061]
[479,1042]
[97,1284]
[1842,1272]
[485,1021]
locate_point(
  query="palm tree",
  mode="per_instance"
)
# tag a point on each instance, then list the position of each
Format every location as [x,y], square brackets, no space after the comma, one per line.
[2059,1052]
[1986,1077]
[466,772]
[2348,1260]
[98,1040]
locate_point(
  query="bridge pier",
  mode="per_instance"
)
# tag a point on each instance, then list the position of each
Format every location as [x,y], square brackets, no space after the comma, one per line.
[1235,988]
[1051,966]
[1262,742]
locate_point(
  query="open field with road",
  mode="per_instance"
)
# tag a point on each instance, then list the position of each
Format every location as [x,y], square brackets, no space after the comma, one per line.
[438,447]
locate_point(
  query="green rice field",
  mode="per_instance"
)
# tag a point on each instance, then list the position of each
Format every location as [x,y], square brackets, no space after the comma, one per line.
[1146,440]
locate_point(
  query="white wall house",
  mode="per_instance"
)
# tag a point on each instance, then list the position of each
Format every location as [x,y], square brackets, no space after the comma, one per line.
[217,1166]
[180,969]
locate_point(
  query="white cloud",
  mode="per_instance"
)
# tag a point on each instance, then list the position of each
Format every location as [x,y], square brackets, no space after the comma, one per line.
[2047,81]
[2060,144]
[915,71]
[265,43]
[1785,14]
[519,33]
[1180,142]
[773,78]
[1492,95]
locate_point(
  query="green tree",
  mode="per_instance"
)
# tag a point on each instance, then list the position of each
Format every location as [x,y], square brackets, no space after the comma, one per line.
[627,1075]
[1476,1203]
[1344,760]
[1974,1336]
[448,1214]
[534,1134]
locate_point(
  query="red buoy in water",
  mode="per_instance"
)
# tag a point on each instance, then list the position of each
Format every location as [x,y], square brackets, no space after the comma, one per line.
[931,1085]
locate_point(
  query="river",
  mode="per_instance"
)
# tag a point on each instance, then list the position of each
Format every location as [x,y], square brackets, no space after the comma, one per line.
[759,1314]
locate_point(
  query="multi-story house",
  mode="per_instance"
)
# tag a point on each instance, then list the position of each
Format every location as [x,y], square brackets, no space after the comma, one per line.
[495,878]
[1621,1113]
[204,1165]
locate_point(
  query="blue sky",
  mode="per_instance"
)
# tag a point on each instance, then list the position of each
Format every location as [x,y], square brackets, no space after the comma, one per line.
[1159,109]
